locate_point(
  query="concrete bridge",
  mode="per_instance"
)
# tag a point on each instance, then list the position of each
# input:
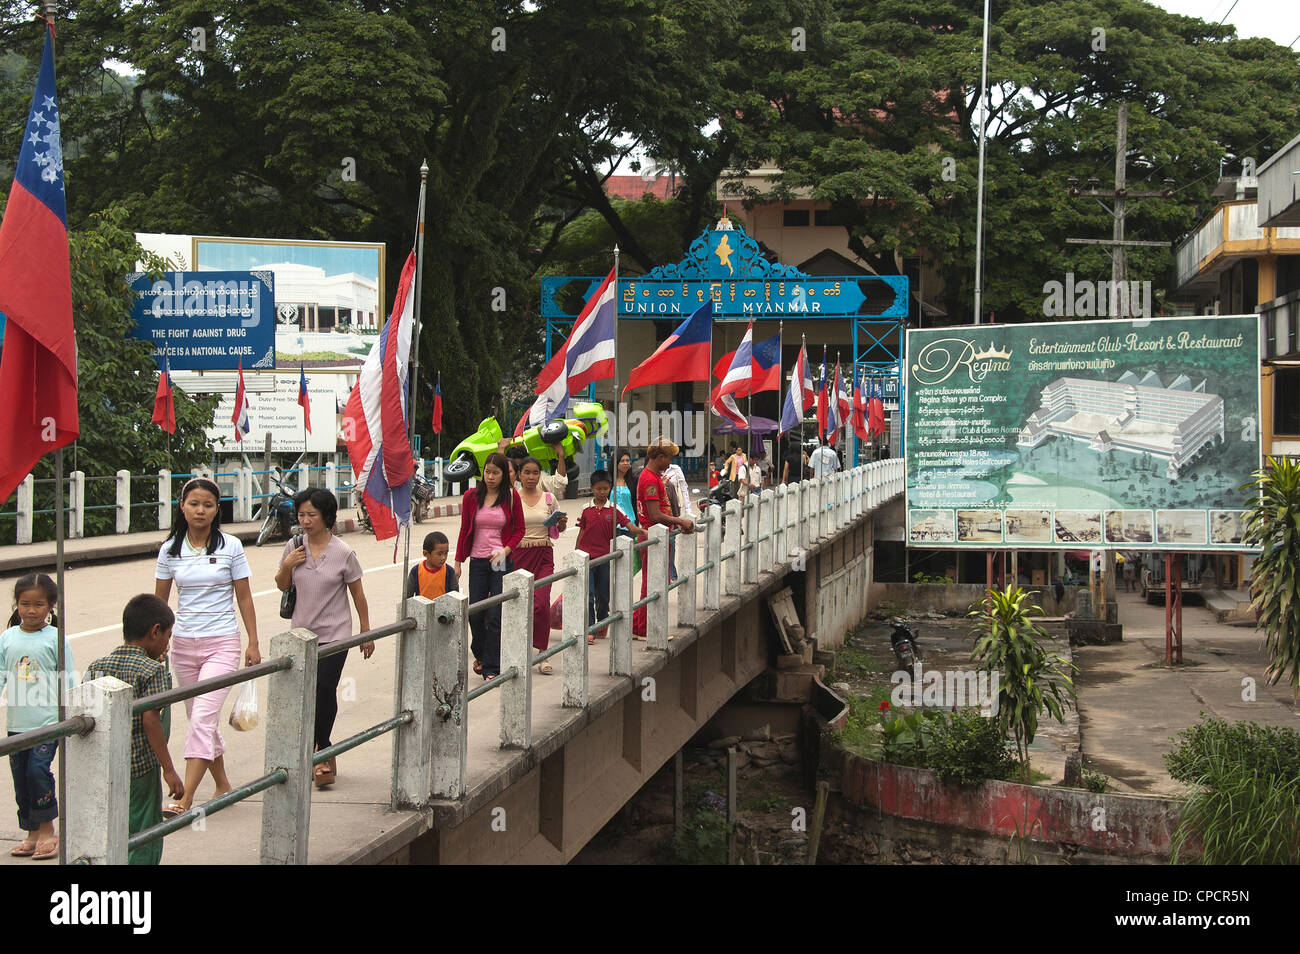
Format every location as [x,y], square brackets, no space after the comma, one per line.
[522,768]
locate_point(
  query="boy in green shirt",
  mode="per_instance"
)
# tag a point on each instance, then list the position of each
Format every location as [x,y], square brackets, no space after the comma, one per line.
[147,629]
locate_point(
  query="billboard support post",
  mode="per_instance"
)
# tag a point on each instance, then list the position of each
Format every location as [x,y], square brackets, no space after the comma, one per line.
[1173,608]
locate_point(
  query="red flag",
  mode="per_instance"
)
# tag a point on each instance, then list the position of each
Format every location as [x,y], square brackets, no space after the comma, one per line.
[876,409]
[240,416]
[859,418]
[164,403]
[38,369]
[437,405]
[823,404]
[304,399]
[684,356]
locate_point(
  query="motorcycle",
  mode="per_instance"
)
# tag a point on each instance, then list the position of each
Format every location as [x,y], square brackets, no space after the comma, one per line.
[279,513]
[903,642]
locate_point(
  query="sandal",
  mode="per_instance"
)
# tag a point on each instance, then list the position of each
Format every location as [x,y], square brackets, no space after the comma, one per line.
[23,849]
[173,809]
[545,669]
[326,773]
[47,850]
[478,668]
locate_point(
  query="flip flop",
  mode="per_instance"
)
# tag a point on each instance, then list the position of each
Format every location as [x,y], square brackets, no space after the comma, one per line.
[173,809]
[47,849]
[545,669]
[326,773]
[23,849]
[478,668]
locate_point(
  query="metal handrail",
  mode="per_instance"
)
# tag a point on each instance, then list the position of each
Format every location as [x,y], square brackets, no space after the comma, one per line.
[369,636]
[491,684]
[171,696]
[555,577]
[559,647]
[22,741]
[490,601]
[365,735]
[247,790]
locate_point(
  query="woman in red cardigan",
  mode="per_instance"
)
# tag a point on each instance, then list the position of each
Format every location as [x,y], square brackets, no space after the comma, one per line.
[491,526]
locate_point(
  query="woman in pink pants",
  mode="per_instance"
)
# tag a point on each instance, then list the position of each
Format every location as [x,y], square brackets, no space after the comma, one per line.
[211,574]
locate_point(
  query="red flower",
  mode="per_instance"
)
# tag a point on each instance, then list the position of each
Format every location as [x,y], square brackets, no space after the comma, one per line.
[884,706]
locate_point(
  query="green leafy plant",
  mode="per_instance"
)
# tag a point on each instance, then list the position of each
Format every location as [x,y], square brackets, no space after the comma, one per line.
[1096,782]
[1030,678]
[969,749]
[920,576]
[1244,807]
[1273,525]
[908,739]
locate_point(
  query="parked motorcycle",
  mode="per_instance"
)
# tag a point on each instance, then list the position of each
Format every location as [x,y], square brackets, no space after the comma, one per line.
[903,641]
[279,513]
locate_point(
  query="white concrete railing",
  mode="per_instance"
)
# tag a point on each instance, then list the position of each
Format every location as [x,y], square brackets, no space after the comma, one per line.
[430,724]
[247,493]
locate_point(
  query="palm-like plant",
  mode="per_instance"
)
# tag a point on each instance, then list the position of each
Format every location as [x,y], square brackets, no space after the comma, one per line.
[1273,525]
[1030,677]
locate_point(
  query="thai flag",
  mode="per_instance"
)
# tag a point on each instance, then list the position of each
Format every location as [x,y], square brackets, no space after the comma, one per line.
[766,372]
[375,422]
[587,356]
[876,409]
[304,401]
[843,402]
[832,410]
[684,355]
[240,416]
[38,370]
[800,396]
[736,381]
[437,405]
[164,402]
[860,411]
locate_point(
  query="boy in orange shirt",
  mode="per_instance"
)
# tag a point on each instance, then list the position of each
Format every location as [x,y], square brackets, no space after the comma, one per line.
[432,577]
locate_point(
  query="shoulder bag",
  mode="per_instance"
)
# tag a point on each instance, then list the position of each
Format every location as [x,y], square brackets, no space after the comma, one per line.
[289,598]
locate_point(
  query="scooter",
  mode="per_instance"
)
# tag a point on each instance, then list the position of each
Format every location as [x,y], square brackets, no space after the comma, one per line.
[903,641]
[279,513]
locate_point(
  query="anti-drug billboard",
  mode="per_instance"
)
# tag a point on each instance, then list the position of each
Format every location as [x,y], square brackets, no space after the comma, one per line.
[207,321]
[1117,434]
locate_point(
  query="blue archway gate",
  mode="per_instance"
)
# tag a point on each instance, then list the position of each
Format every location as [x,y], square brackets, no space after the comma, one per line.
[725,265]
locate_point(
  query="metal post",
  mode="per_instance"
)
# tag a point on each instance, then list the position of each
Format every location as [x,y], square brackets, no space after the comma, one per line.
[655,564]
[621,598]
[688,559]
[451,727]
[574,665]
[290,720]
[713,554]
[99,774]
[413,742]
[731,549]
[517,651]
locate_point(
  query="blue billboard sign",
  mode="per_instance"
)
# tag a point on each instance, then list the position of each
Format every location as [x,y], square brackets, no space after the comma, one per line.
[207,321]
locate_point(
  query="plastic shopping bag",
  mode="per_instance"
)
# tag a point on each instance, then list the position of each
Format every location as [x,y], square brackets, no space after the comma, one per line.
[245,715]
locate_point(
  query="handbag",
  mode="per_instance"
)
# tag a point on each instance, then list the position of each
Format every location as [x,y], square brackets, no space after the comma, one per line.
[289,598]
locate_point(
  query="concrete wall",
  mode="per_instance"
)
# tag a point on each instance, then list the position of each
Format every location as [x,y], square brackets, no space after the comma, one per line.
[955,599]
[893,813]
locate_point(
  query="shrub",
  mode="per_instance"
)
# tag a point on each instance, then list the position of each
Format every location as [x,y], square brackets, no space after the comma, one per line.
[969,749]
[1271,751]
[1095,782]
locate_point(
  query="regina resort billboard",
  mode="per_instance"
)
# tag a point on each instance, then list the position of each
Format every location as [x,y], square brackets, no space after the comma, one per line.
[1126,434]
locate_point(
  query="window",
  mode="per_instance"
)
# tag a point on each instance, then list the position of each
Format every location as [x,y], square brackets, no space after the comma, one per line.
[794,218]
[823,217]
[1286,401]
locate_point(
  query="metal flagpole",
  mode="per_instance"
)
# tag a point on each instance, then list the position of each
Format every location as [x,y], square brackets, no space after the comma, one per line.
[803,350]
[415,354]
[979,201]
[618,407]
[780,404]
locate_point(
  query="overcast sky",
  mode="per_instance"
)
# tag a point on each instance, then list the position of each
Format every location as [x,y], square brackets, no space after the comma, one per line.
[1277,20]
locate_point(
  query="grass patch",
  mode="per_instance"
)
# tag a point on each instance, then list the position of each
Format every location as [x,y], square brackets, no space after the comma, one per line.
[851,660]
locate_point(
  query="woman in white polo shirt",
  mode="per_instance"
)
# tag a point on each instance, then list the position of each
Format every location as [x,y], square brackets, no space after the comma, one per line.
[211,574]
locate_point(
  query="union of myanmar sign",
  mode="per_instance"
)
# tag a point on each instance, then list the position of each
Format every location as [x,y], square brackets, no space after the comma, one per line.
[726,266]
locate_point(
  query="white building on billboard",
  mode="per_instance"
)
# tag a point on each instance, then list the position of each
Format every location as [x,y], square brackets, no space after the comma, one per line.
[1142,415]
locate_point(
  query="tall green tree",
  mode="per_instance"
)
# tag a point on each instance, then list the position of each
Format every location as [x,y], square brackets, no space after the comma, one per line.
[1273,525]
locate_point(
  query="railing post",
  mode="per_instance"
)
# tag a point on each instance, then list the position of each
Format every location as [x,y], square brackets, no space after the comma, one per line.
[731,549]
[413,742]
[332,478]
[766,530]
[823,499]
[779,522]
[517,651]
[99,774]
[244,501]
[304,475]
[290,724]
[688,558]
[620,601]
[805,509]
[575,598]
[713,552]
[164,499]
[122,524]
[751,537]
[25,508]
[655,562]
[450,735]
[77,505]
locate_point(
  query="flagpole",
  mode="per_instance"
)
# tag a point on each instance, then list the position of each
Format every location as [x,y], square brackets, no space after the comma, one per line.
[414,365]
[803,411]
[618,406]
[780,363]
